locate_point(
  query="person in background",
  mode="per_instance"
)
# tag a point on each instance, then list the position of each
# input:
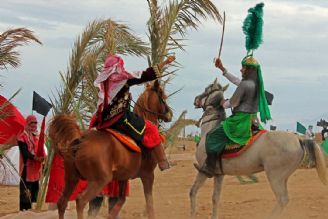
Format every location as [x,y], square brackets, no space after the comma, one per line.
[197,138]
[324,132]
[309,133]
[30,164]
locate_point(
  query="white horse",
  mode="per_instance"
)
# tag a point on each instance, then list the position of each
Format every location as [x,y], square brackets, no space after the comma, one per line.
[278,153]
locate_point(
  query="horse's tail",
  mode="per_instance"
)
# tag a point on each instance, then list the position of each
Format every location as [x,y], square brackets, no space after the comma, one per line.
[316,156]
[63,129]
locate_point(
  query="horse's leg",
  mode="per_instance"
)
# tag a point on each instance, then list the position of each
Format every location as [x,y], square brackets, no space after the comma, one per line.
[278,177]
[278,171]
[199,181]
[279,187]
[93,189]
[71,180]
[147,182]
[115,209]
[111,203]
[216,195]
[94,207]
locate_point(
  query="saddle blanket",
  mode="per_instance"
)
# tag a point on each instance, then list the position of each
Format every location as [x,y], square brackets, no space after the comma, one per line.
[234,150]
[125,140]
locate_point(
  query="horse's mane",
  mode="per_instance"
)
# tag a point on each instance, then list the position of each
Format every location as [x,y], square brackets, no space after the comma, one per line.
[146,105]
[143,98]
[142,101]
[62,129]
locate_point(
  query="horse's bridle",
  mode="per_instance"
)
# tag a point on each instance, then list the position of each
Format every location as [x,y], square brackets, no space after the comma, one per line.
[161,100]
[207,96]
[207,111]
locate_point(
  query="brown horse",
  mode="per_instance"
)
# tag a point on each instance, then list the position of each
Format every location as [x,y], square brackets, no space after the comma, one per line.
[98,157]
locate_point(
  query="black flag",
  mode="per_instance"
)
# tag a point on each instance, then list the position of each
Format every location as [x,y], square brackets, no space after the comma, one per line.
[40,105]
[322,123]
[269,97]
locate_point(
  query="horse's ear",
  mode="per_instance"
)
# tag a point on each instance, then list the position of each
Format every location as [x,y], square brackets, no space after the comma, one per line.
[147,85]
[216,84]
[215,81]
[156,85]
[225,87]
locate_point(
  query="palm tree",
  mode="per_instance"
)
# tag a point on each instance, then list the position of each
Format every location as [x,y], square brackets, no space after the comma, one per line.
[78,94]
[106,36]
[100,38]
[9,41]
[168,26]
[9,56]
[172,133]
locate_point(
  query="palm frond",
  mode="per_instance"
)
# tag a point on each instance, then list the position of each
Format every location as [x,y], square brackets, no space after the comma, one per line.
[173,21]
[45,177]
[9,41]
[88,54]
[175,129]
[175,92]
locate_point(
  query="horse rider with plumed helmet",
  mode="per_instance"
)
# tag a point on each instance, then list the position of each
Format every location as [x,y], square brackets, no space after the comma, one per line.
[247,100]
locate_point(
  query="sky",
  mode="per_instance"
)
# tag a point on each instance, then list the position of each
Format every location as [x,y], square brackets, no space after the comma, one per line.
[293,55]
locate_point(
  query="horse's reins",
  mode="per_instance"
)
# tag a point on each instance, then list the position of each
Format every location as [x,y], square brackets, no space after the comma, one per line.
[147,110]
[208,95]
[208,111]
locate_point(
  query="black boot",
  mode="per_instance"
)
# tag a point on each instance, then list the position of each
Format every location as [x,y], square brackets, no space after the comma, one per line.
[209,166]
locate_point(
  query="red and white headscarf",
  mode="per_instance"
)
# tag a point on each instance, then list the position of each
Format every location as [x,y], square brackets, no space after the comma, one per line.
[115,76]
[31,124]
[30,134]
[31,138]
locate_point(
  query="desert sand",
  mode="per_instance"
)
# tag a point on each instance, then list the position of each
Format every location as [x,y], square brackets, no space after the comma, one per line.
[308,196]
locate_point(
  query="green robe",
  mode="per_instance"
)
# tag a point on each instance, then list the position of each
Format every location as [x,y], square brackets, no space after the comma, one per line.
[236,129]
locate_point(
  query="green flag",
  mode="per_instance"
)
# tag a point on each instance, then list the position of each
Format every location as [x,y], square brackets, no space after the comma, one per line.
[300,128]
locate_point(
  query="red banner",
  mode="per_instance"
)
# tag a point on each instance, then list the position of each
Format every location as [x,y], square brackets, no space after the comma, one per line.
[13,122]
[41,152]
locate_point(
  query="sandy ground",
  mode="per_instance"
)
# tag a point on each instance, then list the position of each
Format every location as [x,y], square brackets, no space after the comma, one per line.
[308,196]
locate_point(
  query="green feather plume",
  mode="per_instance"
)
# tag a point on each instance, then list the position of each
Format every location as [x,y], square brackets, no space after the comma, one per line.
[252,27]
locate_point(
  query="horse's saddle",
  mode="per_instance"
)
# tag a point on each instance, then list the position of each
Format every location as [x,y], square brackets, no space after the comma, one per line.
[234,150]
[126,140]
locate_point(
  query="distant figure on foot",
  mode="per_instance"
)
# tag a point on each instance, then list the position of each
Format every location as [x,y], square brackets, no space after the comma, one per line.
[30,164]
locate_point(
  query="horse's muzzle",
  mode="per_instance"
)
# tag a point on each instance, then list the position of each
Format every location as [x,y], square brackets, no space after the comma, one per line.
[168,116]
